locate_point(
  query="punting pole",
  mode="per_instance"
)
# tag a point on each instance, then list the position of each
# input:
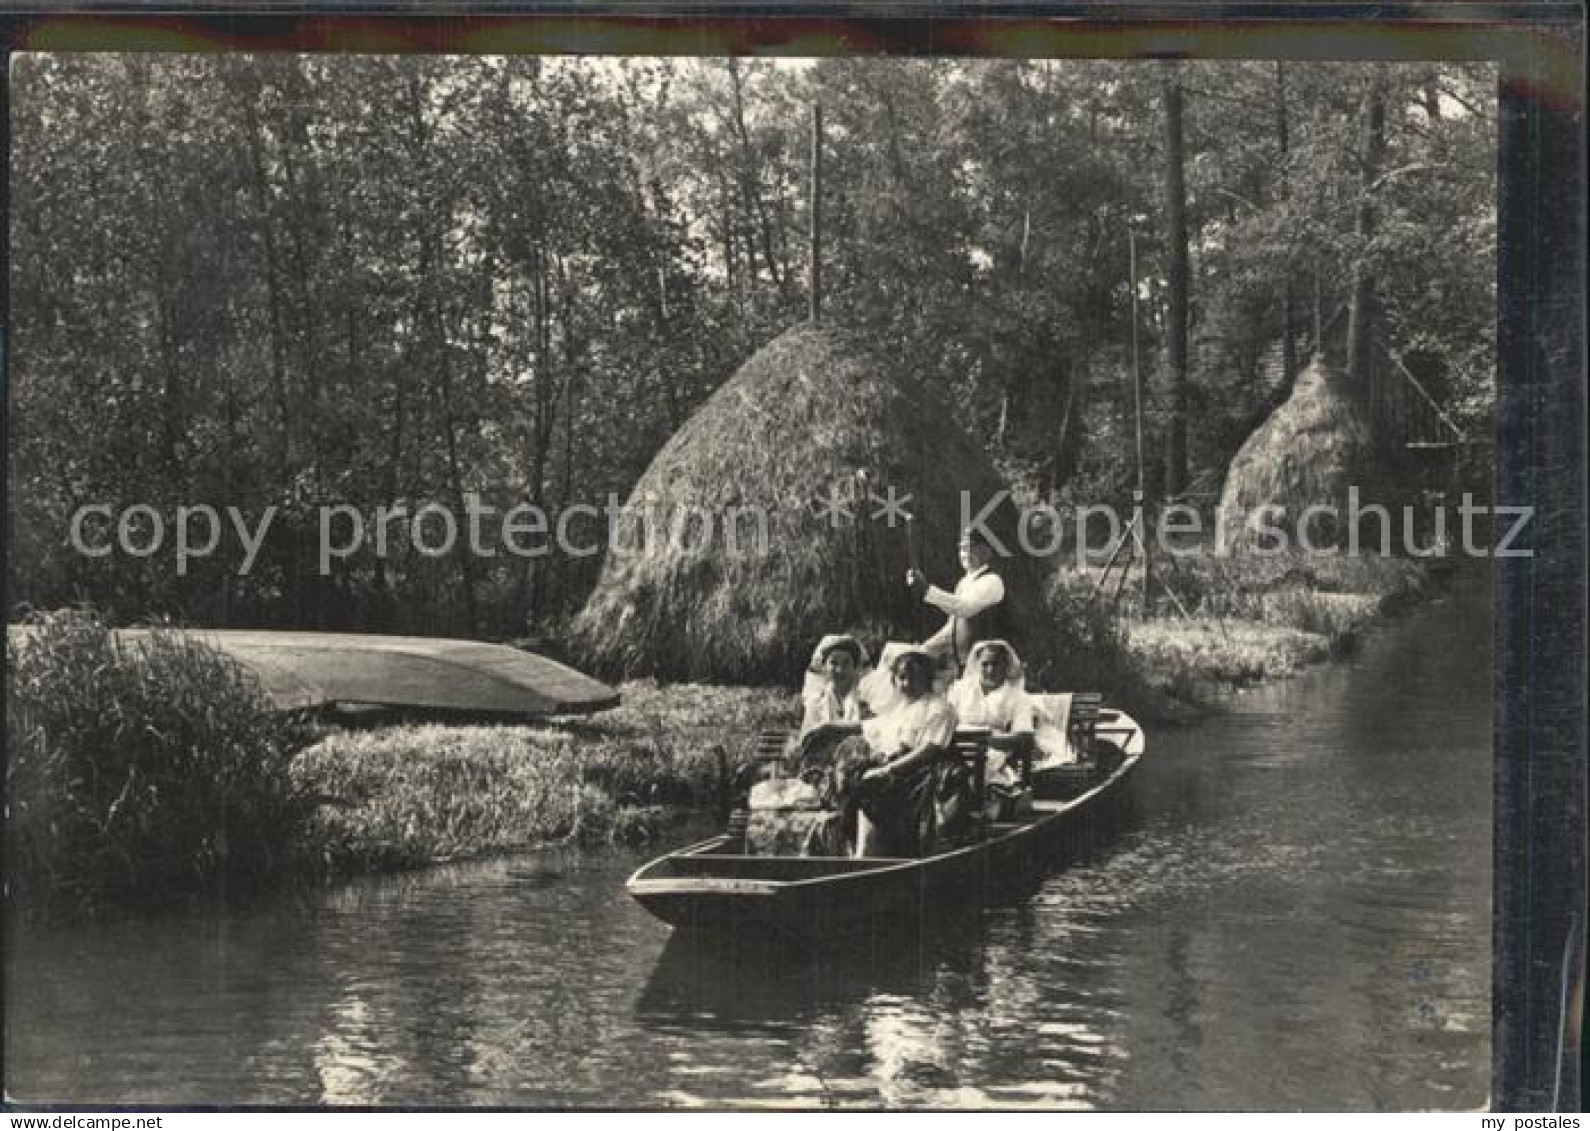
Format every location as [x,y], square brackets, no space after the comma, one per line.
[915,562]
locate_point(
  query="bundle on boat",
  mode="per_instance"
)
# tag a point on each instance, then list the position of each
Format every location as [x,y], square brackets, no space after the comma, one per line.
[764,522]
[1307,454]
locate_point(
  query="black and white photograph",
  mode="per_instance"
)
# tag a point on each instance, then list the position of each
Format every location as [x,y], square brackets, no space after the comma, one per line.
[836,579]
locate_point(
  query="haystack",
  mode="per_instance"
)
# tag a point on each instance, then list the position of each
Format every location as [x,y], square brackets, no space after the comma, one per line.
[1308,453]
[813,419]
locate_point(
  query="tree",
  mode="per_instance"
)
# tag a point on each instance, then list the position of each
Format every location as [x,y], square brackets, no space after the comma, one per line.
[1361,311]
[288,281]
[1177,297]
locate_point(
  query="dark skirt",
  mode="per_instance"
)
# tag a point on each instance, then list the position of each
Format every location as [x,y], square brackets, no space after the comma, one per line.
[914,813]
[903,809]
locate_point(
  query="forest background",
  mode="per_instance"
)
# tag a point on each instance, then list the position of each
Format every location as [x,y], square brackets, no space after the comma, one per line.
[299,281]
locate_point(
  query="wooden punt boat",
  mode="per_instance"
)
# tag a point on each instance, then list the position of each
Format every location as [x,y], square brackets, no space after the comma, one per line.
[715,887]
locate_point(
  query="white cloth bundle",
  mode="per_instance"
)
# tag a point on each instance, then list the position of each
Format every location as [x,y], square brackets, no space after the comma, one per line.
[784,793]
[1052,735]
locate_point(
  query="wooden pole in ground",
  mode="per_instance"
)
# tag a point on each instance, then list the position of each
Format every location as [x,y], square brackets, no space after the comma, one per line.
[1131,542]
[1148,562]
[1137,369]
[1137,401]
[815,296]
[1171,593]
[1109,565]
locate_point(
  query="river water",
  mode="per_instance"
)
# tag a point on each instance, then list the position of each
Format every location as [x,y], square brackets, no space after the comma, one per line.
[1296,915]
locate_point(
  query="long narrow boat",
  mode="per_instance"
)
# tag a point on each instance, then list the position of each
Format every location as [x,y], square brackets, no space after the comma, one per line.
[715,887]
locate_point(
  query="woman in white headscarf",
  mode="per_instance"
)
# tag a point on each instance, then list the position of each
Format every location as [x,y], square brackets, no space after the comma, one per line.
[832,710]
[833,681]
[888,778]
[993,694]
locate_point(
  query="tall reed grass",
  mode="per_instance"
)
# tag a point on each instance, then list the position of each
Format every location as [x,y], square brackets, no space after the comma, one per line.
[140,768]
[1248,617]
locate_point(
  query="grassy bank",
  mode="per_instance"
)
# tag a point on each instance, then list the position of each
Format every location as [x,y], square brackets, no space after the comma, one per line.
[1243,621]
[409,795]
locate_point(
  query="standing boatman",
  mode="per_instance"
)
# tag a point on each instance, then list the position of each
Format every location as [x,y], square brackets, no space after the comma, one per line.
[976,610]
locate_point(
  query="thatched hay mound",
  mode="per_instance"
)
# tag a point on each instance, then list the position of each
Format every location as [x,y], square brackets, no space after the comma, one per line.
[812,416]
[1311,450]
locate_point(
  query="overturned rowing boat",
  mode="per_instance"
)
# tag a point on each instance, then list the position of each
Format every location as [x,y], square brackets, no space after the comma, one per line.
[309,670]
[715,886]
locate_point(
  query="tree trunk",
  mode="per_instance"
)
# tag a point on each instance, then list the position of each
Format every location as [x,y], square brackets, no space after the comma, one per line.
[259,188]
[756,217]
[173,413]
[302,194]
[814,253]
[543,422]
[1176,225]
[430,287]
[1361,307]
[1063,458]
[455,475]
[726,236]
[1289,359]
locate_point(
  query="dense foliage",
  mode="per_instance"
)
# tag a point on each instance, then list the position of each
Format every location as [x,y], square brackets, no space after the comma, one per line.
[137,768]
[287,281]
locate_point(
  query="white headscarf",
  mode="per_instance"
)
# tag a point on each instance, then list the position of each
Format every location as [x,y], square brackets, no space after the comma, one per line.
[1009,700]
[877,687]
[1016,677]
[833,640]
[816,677]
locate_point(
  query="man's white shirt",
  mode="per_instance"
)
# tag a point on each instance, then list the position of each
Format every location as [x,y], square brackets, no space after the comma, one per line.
[977,590]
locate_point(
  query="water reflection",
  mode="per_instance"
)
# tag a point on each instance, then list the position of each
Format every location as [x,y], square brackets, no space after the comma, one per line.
[1297,916]
[956,1020]
[349,1059]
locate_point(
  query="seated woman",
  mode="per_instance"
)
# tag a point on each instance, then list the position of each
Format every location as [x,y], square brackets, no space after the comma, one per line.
[832,683]
[886,781]
[991,694]
[832,707]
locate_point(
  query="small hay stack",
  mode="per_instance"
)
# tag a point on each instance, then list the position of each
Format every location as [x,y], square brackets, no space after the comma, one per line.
[1309,452]
[812,416]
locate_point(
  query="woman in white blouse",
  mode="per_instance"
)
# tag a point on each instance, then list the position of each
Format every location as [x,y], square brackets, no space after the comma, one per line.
[905,745]
[881,784]
[992,694]
[834,676]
